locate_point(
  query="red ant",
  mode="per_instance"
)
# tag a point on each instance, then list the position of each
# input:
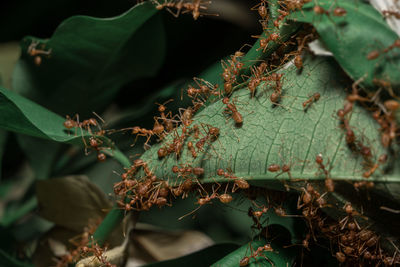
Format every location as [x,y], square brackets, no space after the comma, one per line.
[158,130]
[192,150]
[259,252]
[36,53]
[168,123]
[276,95]
[262,9]
[265,41]
[95,143]
[205,88]
[375,53]
[329,184]
[281,17]
[238,182]
[198,171]
[70,123]
[374,167]
[275,168]
[257,77]
[258,213]
[350,213]
[314,98]
[212,135]
[231,107]
[298,61]
[388,13]
[337,12]
[194,7]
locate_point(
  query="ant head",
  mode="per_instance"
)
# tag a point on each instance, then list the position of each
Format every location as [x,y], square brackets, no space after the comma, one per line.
[319,10]
[161,107]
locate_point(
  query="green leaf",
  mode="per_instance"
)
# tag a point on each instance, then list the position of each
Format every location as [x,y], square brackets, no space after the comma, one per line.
[71,201]
[204,257]
[17,213]
[352,37]
[40,153]
[91,59]
[18,114]
[280,256]
[283,134]
[3,139]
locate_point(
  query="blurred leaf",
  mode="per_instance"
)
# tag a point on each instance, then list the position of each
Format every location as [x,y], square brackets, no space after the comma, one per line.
[71,201]
[20,19]
[11,215]
[352,37]
[204,257]
[40,153]
[279,256]
[9,261]
[3,139]
[16,198]
[164,245]
[43,255]
[30,227]
[91,59]
[9,54]
[283,134]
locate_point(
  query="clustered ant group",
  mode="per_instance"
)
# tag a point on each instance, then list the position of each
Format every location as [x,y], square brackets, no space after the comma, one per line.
[140,189]
[184,6]
[94,141]
[85,246]
[355,244]
[259,252]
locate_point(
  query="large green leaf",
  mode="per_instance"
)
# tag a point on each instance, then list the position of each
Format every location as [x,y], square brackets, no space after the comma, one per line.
[204,257]
[280,256]
[352,37]
[283,134]
[91,59]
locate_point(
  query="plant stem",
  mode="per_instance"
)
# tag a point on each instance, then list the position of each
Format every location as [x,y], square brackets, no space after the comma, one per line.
[256,53]
[110,222]
[116,215]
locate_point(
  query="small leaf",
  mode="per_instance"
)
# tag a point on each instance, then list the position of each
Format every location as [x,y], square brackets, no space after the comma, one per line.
[203,257]
[91,59]
[71,201]
[352,37]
